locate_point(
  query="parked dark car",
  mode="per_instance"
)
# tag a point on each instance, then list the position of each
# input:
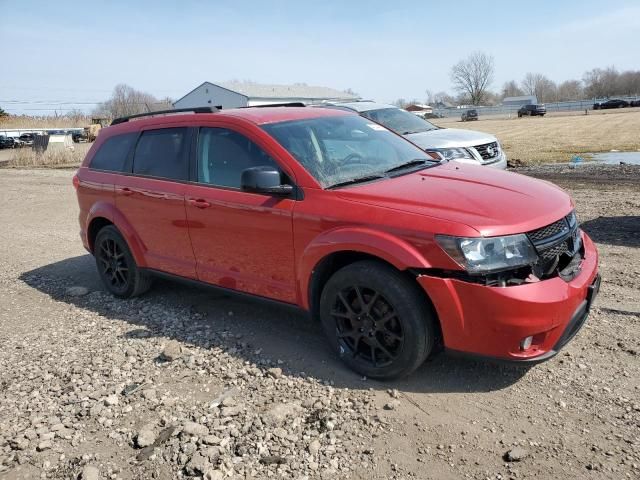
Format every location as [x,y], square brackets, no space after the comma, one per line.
[7,142]
[78,136]
[532,110]
[470,115]
[613,103]
[27,139]
[18,143]
[635,103]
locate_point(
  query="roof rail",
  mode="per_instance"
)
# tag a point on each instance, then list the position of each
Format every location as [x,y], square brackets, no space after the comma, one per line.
[287,104]
[163,112]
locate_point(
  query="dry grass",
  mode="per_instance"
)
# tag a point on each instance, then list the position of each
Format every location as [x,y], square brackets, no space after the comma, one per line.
[60,121]
[63,157]
[557,138]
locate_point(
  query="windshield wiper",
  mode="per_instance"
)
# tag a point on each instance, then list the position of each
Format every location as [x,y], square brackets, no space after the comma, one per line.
[365,178]
[409,164]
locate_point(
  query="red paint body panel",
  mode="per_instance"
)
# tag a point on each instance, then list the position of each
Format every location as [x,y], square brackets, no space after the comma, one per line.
[491,321]
[270,246]
[156,210]
[244,241]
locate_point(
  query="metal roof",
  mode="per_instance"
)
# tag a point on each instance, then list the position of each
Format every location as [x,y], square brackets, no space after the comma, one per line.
[259,90]
[520,98]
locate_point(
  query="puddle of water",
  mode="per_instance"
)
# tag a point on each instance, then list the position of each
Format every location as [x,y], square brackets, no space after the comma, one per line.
[614,158]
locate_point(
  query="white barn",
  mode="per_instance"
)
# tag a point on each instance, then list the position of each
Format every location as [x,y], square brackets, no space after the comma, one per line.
[247,94]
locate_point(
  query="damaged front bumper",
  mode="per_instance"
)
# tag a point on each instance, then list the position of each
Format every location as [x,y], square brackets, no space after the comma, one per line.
[490,321]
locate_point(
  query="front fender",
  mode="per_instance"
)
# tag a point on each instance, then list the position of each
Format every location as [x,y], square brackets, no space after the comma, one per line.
[115,216]
[385,246]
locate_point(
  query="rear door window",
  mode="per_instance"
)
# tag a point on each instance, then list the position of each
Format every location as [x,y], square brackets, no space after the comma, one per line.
[163,153]
[112,154]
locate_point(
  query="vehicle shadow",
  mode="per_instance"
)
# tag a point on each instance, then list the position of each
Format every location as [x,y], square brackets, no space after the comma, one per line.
[255,331]
[623,231]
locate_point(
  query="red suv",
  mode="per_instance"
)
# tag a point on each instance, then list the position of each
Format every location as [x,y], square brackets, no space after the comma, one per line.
[395,252]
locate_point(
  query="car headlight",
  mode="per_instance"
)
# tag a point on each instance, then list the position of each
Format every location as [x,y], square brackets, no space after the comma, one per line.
[455,153]
[492,254]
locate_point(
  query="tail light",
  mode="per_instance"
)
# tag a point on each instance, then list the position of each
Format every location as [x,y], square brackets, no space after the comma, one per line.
[76,181]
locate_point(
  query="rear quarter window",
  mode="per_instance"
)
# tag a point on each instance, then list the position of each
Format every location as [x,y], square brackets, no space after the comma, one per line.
[112,154]
[163,153]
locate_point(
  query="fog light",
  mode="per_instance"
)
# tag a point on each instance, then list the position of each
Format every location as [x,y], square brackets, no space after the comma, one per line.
[526,343]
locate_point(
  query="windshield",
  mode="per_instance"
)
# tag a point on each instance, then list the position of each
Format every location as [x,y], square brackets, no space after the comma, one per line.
[400,121]
[335,150]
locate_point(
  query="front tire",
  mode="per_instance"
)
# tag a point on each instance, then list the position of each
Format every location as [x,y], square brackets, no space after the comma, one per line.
[116,265]
[377,320]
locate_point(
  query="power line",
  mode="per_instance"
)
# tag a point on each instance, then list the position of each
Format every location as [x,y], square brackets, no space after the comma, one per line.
[46,102]
[57,102]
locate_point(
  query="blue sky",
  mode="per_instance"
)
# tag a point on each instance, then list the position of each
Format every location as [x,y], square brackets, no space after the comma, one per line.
[61,52]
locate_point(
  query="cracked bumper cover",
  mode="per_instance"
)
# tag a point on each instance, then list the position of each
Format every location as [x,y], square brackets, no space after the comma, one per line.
[484,321]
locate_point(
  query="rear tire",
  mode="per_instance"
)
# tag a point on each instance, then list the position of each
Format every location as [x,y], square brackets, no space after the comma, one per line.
[377,320]
[116,265]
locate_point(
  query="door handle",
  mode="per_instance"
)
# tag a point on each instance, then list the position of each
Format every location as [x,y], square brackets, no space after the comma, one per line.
[126,191]
[199,203]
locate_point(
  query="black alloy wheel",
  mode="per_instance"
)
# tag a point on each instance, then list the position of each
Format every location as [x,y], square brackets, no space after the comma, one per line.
[114,269]
[117,267]
[368,326]
[377,319]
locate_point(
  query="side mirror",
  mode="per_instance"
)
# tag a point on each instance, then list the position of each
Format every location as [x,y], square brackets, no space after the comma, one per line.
[264,179]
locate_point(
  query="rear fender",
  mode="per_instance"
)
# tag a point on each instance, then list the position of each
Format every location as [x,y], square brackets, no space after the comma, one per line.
[385,246]
[115,216]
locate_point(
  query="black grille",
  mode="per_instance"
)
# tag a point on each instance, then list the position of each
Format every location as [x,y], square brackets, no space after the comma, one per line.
[556,228]
[488,150]
[554,251]
[554,240]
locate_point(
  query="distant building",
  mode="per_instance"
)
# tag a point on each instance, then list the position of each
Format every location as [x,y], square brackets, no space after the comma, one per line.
[519,101]
[419,108]
[246,94]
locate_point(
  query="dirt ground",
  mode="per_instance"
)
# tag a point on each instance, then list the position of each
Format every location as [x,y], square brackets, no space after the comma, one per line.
[190,382]
[558,137]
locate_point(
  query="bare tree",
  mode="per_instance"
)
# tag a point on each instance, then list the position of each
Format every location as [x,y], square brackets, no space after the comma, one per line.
[350,91]
[629,83]
[511,89]
[601,82]
[473,76]
[126,100]
[438,98]
[491,98]
[540,86]
[570,90]
[608,82]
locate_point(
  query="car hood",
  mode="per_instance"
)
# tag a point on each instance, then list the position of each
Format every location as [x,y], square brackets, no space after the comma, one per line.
[489,201]
[450,138]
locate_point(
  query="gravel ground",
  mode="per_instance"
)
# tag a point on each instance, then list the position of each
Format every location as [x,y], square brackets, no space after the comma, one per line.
[189,382]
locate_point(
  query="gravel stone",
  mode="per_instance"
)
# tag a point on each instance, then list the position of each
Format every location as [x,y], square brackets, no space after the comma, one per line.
[89,472]
[145,438]
[195,429]
[172,351]
[516,454]
[77,291]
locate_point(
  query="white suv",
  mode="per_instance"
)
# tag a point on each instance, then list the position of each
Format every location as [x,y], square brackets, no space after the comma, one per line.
[466,146]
